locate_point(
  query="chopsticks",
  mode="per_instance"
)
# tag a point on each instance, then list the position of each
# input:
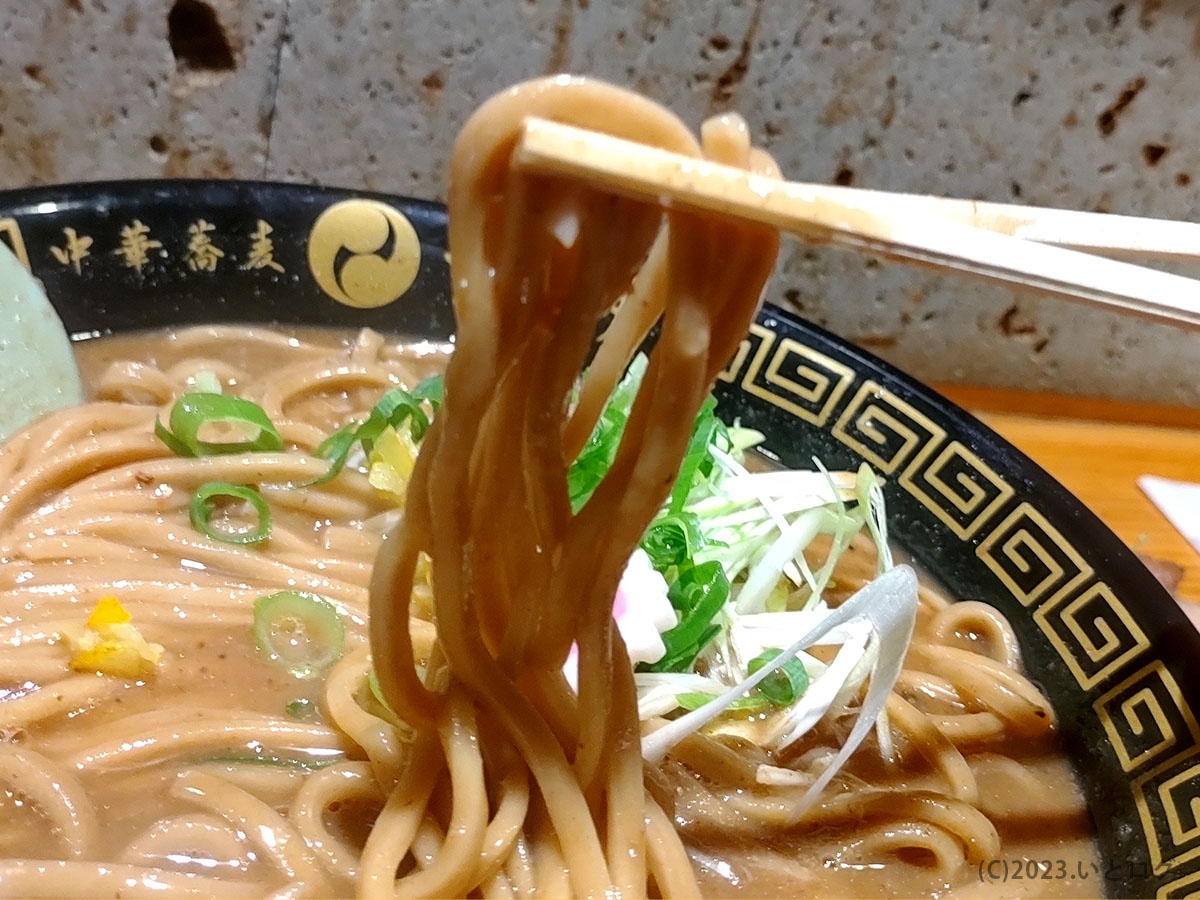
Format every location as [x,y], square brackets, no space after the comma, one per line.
[1009,244]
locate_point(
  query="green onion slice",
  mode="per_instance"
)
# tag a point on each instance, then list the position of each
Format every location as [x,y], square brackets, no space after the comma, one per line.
[276,761]
[301,709]
[301,631]
[752,704]
[430,390]
[192,412]
[697,595]
[377,691]
[673,540]
[696,460]
[204,504]
[394,408]
[786,684]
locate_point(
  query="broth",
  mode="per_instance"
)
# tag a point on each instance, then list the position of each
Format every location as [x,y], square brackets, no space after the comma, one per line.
[215,695]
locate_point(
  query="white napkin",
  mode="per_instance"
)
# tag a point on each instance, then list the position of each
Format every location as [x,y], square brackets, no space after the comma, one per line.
[1179,501]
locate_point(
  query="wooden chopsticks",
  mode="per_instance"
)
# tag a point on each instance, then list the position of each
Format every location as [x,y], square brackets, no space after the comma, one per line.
[1010,244]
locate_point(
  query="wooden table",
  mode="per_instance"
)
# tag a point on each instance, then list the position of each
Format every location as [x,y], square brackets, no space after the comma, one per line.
[1097,449]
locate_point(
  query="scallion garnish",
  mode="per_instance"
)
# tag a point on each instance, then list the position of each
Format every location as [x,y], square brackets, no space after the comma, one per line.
[276,761]
[301,709]
[301,631]
[196,411]
[597,455]
[673,540]
[697,594]
[394,409]
[204,504]
[786,684]
[429,390]
[782,687]
[206,382]
[697,460]
[695,699]
[377,691]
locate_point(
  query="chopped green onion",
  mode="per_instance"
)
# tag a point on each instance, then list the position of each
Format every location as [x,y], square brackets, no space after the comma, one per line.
[384,711]
[301,710]
[784,685]
[206,382]
[394,408]
[192,412]
[695,700]
[276,761]
[430,390]
[698,595]
[597,455]
[176,446]
[299,630]
[377,691]
[204,504]
[673,540]
[338,443]
[335,449]
[696,459]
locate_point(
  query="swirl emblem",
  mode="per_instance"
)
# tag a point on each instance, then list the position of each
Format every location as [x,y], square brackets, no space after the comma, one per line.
[363,253]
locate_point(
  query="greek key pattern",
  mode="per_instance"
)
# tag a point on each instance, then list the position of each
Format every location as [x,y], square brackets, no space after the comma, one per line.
[959,488]
[1147,718]
[790,375]
[1031,558]
[886,431]
[1093,633]
[1170,794]
[1181,888]
[729,373]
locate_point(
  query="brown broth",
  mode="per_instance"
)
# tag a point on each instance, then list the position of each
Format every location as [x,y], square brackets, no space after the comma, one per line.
[219,667]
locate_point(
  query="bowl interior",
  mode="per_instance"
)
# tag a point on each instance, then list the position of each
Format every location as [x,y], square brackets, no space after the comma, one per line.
[1098,633]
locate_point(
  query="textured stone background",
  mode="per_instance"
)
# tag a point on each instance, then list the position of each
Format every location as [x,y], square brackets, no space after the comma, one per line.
[1090,103]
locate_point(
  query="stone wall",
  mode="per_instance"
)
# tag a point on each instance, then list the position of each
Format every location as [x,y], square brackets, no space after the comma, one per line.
[1093,104]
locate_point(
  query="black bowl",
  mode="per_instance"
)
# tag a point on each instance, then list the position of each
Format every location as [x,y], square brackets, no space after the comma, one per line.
[1101,637]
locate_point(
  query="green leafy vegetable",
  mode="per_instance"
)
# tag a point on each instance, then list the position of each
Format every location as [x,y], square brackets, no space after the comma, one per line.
[696,459]
[275,761]
[698,595]
[192,412]
[301,631]
[301,709]
[338,444]
[597,455]
[204,504]
[783,687]
[786,684]
[672,540]
[430,391]
[395,408]
[207,382]
[377,691]
[696,699]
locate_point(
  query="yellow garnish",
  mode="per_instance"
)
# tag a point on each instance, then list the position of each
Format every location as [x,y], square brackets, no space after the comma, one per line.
[110,644]
[391,462]
[422,593]
[108,611]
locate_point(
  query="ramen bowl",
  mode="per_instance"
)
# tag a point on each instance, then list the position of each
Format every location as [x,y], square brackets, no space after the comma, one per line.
[1098,634]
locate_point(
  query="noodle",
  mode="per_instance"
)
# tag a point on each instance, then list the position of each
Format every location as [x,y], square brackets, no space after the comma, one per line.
[472,767]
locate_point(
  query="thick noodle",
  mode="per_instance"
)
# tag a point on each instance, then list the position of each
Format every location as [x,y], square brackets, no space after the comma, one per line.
[536,263]
[489,775]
